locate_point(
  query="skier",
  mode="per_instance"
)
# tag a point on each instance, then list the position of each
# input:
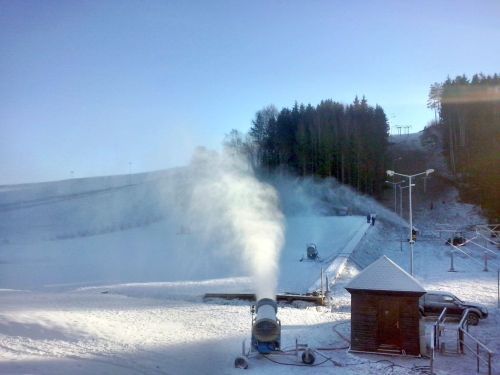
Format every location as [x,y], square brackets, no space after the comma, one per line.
[374,216]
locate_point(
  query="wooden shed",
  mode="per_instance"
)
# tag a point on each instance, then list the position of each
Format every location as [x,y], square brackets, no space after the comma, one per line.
[384,310]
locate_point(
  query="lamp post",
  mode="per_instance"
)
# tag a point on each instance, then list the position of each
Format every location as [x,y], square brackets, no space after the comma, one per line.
[426,173]
[395,186]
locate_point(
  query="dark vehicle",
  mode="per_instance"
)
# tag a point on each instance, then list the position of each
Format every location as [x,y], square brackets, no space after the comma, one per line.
[433,303]
[457,240]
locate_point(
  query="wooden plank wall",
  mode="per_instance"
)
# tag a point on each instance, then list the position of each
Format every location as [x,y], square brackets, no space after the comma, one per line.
[364,325]
[409,322]
[364,322]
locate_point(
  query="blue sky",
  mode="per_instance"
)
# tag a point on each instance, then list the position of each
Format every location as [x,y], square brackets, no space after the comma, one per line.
[91,86]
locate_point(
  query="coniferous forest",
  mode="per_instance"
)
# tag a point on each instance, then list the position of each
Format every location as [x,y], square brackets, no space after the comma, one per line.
[469,119]
[348,142]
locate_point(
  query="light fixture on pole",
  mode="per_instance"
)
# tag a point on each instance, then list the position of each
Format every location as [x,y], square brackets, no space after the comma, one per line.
[409,177]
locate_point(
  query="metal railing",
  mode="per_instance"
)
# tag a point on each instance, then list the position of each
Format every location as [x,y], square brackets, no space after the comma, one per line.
[437,328]
[435,336]
[481,356]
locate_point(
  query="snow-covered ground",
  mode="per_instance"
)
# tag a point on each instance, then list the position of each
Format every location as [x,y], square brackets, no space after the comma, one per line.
[97,279]
[107,277]
[162,252]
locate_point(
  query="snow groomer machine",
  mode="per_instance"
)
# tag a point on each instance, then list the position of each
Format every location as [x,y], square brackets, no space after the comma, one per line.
[266,335]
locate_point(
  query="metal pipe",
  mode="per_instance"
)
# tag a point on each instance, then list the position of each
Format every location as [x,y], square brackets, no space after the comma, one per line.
[400,201]
[395,187]
[321,280]
[452,269]
[395,199]
[432,351]
[411,232]
[477,356]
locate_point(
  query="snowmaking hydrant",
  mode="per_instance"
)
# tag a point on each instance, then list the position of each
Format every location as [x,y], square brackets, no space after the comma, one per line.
[266,335]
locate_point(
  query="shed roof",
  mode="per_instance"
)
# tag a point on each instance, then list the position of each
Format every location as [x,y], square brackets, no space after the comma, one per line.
[385,275]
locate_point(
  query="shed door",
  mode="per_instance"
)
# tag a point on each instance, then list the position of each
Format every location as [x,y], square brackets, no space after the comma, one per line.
[389,333]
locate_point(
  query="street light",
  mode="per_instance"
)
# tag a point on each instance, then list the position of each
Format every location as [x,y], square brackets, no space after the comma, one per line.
[392,173]
[394,186]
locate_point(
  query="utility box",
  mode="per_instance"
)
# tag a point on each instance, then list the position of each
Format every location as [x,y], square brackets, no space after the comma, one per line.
[385,314]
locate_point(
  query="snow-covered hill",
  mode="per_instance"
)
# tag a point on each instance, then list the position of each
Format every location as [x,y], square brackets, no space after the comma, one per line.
[106,275]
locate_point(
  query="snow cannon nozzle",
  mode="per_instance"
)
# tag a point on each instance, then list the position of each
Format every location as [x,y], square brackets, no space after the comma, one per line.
[266,301]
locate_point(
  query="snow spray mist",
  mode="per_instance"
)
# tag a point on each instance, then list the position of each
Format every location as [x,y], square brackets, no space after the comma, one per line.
[228,198]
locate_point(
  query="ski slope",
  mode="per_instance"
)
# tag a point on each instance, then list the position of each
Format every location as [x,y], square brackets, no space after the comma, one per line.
[111,281]
[330,234]
[58,238]
[161,252]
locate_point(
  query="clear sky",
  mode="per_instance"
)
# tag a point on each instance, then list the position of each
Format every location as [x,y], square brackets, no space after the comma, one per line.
[92,86]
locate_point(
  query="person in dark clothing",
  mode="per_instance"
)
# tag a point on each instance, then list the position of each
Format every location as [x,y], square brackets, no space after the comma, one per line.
[373,219]
[368,218]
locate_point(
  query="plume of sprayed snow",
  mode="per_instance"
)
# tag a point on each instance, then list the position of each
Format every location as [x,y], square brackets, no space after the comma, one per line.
[229,203]
[313,197]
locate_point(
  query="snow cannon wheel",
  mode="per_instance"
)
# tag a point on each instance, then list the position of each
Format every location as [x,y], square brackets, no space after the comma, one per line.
[241,362]
[308,357]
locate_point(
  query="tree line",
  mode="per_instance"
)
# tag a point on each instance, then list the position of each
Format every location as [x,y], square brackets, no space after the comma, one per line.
[348,142]
[469,120]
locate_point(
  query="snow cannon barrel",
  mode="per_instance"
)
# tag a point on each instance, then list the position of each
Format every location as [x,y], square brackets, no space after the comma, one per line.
[266,327]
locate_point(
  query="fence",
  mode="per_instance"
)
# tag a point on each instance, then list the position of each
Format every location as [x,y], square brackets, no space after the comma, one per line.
[437,328]
[483,355]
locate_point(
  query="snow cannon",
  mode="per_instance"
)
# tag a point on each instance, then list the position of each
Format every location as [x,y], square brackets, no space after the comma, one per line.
[266,327]
[266,336]
[312,251]
[312,254]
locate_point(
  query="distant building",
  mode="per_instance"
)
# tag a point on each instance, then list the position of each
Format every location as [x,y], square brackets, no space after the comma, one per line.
[384,310]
